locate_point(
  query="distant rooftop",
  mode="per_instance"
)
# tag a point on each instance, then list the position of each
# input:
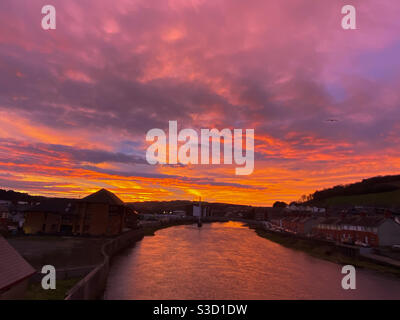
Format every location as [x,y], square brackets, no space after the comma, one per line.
[104,196]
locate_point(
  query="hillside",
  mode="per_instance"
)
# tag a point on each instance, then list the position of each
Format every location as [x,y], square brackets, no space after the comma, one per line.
[15,196]
[384,199]
[382,191]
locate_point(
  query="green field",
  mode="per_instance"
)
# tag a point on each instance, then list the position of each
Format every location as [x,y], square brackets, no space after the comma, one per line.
[384,199]
[36,292]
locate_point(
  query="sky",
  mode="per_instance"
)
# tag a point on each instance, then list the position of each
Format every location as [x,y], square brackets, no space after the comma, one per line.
[76,102]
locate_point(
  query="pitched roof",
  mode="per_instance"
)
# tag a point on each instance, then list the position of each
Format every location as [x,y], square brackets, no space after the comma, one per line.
[60,206]
[367,221]
[13,268]
[104,196]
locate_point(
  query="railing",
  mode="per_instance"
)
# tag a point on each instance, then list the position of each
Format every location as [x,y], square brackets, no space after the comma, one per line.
[92,286]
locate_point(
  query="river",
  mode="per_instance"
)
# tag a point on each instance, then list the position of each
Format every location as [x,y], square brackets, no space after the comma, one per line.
[230,261]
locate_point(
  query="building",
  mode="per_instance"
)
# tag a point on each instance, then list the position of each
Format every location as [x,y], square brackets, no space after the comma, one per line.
[131,218]
[12,215]
[99,214]
[301,224]
[181,213]
[305,225]
[371,230]
[201,211]
[14,272]
[260,214]
[52,216]
[4,211]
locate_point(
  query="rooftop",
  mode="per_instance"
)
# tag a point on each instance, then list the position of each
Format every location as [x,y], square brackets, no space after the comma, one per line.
[366,221]
[13,268]
[104,196]
[60,206]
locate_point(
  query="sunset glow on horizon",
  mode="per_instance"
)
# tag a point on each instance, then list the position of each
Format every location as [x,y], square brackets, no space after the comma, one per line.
[76,102]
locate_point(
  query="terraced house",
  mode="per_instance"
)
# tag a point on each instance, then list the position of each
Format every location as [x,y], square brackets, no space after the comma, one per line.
[99,214]
[372,230]
[301,224]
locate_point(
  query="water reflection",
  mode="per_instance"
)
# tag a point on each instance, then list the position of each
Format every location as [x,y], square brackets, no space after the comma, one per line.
[229,261]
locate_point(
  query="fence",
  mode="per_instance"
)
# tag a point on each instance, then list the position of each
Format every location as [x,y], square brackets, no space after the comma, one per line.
[92,286]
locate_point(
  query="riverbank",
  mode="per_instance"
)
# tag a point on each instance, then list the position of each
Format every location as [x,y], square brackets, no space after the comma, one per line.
[326,251]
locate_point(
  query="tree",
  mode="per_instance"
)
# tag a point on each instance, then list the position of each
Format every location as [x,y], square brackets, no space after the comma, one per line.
[280,204]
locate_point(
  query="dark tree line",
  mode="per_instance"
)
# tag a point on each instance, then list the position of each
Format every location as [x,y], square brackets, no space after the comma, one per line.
[14,196]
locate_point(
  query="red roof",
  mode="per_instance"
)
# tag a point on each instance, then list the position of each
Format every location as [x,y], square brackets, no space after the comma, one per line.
[13,268]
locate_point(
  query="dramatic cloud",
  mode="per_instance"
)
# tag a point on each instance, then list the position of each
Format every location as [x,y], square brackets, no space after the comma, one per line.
[76,102]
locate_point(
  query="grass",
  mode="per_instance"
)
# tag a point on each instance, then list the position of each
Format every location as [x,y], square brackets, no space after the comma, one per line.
[326,252]
[388,199]
[61,252]
[36,292]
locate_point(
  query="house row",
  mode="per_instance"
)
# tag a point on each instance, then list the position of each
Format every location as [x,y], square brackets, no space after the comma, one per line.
[375,231]
[302,224]
[99,214]
[300,208]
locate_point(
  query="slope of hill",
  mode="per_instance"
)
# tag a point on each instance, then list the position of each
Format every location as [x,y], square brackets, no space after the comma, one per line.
[382,199]
[15,196]
[382,191]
